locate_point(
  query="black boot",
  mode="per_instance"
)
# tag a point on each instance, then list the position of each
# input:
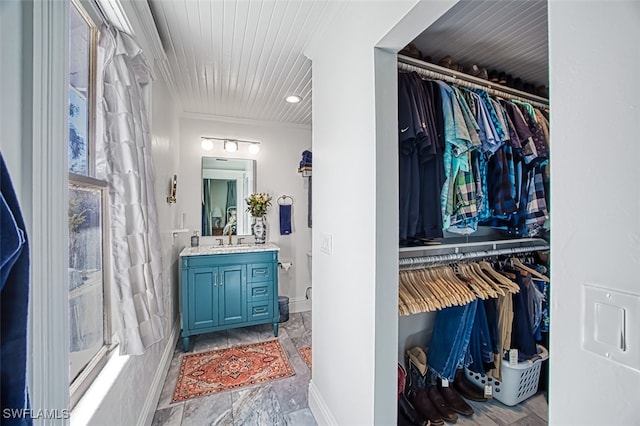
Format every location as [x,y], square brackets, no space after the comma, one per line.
[406,412]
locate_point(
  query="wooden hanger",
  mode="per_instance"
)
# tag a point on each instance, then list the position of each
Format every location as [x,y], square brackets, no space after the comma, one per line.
[445,299]
[505,282]
[488,278]
[468,295]
[449,288]
[412,297]
[516,262]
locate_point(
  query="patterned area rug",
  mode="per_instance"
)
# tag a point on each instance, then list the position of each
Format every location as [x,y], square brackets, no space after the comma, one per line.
[305,353]
[209,372]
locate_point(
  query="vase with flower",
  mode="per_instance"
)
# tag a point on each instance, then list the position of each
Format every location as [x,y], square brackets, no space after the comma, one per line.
[257,205]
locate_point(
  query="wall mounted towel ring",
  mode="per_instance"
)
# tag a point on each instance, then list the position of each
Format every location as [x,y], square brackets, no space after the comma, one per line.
[282,200]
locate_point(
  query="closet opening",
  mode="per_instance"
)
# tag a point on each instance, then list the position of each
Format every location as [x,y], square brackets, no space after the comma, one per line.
[474,226]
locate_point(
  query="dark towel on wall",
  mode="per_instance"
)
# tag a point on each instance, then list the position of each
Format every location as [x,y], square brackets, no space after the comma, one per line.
[285,219]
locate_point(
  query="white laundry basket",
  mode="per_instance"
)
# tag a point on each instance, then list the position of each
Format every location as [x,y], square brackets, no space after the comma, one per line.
[519,381]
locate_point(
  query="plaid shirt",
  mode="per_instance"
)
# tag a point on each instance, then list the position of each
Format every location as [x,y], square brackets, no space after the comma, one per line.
[465,218]
[501,200]
[536,203]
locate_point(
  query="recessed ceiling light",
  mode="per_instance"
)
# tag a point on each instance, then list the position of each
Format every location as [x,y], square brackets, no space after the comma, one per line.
[206,144]
[293,99]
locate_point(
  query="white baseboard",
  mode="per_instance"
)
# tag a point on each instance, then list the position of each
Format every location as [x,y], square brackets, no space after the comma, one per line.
[299,304]
[150,404]
[319,408]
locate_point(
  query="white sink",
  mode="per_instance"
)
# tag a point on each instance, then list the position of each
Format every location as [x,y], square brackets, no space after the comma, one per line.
[237,248]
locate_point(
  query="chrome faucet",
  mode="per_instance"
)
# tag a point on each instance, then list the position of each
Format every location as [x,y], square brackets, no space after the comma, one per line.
[239,241]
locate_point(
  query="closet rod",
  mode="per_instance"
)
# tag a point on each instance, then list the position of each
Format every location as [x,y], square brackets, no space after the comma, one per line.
[455,247]
[425,69]
[422,261]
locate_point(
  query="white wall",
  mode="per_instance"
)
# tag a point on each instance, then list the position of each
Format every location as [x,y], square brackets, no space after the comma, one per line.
[355,167]
[133,394]
[281,146]
[594,68]
[11,89]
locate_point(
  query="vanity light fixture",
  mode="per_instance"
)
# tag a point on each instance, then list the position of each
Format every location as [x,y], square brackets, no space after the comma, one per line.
[209,143]
[254,148]
[230,146]
[206,144]
[293,99]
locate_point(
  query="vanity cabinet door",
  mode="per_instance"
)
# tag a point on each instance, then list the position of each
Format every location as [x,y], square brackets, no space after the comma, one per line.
[202,293]
[233,294]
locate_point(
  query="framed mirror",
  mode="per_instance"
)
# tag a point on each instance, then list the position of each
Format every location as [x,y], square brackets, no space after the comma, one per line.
[226,183]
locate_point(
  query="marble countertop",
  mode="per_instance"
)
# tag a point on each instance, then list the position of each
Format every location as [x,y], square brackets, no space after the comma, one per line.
[238,248]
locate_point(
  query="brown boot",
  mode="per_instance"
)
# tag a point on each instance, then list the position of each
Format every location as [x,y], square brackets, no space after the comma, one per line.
[467,389]
[425,407]
[454,400]
[447,413]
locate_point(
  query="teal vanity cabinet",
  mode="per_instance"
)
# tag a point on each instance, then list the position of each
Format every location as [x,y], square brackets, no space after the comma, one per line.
[228,287]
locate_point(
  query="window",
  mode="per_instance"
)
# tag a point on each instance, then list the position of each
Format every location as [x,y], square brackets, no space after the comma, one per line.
[88,289]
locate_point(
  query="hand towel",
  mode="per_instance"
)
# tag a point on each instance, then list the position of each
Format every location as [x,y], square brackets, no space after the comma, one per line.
[285,219]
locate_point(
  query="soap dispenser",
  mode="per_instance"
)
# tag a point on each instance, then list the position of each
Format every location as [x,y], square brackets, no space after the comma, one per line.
[195,239]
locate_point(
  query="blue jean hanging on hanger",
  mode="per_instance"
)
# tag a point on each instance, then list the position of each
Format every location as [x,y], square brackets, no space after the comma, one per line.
[450,339]
[285,219]
[14,303]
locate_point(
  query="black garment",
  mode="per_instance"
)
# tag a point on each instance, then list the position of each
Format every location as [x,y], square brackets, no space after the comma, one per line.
[421,165]
[432,167]
[522,337]
[408,160]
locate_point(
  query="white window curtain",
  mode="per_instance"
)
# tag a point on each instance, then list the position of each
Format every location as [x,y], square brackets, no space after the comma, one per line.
[124,160]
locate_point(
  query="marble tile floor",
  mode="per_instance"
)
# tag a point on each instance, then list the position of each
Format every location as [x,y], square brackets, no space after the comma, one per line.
[279,402]
[284,401]
[531,412]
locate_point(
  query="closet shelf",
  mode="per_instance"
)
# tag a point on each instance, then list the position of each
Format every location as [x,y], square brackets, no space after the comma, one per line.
[429,70]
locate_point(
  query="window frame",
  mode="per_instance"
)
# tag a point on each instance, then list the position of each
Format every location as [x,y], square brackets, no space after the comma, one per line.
[85,378]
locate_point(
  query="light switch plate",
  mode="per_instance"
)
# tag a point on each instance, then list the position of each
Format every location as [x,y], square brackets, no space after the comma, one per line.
[326,243]
[610,319]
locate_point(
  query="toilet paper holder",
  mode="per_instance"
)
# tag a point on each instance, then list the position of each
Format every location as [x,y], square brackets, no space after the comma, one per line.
[285,265]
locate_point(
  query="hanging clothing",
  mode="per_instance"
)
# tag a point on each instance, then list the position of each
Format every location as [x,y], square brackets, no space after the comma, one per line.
[485,159]
[14,303]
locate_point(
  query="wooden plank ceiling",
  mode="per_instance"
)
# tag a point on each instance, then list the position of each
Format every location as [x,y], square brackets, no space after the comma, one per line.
[503,35]
[241,58]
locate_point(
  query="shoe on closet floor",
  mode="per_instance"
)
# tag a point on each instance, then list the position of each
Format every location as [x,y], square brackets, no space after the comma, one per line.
[417,368]
[418,358]
[420,400]
[406,411]
[467,389]
[454,400]
[447,413]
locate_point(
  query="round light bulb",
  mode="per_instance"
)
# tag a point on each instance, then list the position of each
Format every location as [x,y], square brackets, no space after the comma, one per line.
[231,146]
[206,144]
[293,99]
[254,148]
